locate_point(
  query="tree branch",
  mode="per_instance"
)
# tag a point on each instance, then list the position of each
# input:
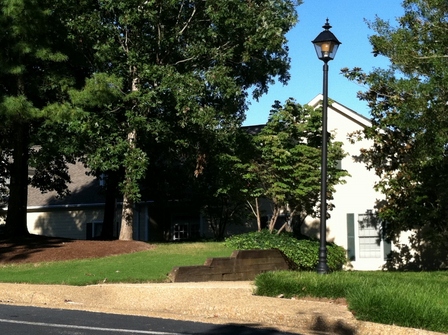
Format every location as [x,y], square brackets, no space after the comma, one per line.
[188,22]
[430,57]
[184,60]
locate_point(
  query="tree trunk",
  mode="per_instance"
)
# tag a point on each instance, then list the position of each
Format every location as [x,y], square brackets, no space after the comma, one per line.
[257,209]
[275,214]
[127,219]
[282,227]
[127,216]
[288,221]
[256,212]
[16,220]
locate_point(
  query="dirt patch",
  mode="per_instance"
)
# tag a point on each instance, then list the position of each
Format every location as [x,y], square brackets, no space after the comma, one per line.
[35,249]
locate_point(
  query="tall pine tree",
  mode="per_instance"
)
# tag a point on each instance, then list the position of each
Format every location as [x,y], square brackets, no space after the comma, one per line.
[33,74]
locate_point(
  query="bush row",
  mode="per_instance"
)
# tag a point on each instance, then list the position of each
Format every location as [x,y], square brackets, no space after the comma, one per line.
[305,253]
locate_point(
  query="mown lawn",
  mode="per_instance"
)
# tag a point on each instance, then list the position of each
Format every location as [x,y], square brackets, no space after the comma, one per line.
[408,299]
[146,266]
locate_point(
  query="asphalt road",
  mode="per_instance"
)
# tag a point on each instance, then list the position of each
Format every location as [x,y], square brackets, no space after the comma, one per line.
[18,320]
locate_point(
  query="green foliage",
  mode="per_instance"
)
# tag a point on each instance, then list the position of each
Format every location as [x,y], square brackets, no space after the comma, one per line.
[219,188]
[134,83]
[286,167]
[162,75]
[34,73]
[100,91]
[409,123]
[175,76]
[302,252]
[407,299]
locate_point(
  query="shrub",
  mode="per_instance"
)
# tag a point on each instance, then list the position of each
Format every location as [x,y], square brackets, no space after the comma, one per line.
[305,253]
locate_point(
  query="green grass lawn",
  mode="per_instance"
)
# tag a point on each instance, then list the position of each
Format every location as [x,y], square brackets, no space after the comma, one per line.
[408,299]
[146,266]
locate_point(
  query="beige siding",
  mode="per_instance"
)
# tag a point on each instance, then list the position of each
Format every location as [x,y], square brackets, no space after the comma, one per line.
[72,222]
[69,223]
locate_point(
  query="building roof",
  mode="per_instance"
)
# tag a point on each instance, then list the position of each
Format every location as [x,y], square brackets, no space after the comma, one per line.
[84,189]
[343,110]
[253,130]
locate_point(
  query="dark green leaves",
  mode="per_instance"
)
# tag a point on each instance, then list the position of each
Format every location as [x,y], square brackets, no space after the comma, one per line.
[288,159]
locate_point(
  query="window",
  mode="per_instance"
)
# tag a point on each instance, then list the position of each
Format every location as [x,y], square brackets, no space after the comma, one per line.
[180,232]
[186,227]
[365,239]
[369,236]
[93,230]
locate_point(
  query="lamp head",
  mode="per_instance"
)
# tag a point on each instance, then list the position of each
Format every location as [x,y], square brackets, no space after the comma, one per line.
[326,44]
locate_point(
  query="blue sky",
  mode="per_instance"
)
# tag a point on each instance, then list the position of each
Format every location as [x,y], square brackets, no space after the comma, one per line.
[347,17]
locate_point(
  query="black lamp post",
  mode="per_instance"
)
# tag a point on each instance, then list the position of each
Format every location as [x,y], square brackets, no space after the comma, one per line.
[326,45]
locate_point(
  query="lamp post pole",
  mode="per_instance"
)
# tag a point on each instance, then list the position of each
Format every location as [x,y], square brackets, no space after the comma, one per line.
[322,267]
[326,45]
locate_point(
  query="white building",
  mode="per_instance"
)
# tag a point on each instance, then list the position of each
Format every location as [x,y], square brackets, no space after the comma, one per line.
[351,224]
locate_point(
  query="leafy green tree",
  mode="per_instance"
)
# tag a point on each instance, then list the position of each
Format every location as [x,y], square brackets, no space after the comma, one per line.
[222,184]
[173,68]
[286,169]
[408,103]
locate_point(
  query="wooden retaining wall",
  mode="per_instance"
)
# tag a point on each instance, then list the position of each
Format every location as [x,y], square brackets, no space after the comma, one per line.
[241,265]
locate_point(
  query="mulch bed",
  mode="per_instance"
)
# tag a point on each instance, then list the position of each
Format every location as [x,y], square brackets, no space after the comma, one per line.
[35,249]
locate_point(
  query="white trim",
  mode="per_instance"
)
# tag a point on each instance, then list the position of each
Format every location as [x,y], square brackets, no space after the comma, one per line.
[66,326]
[341,109]
[34,208]
[98,204]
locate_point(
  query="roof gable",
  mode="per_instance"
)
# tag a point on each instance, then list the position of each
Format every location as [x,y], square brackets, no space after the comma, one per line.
[344,111]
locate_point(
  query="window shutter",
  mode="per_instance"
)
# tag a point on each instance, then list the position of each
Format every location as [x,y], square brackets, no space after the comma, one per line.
[387,248]
[351,237]
[387,245]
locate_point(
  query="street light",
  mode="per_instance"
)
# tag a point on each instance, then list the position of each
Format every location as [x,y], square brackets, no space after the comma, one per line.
[326,45]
